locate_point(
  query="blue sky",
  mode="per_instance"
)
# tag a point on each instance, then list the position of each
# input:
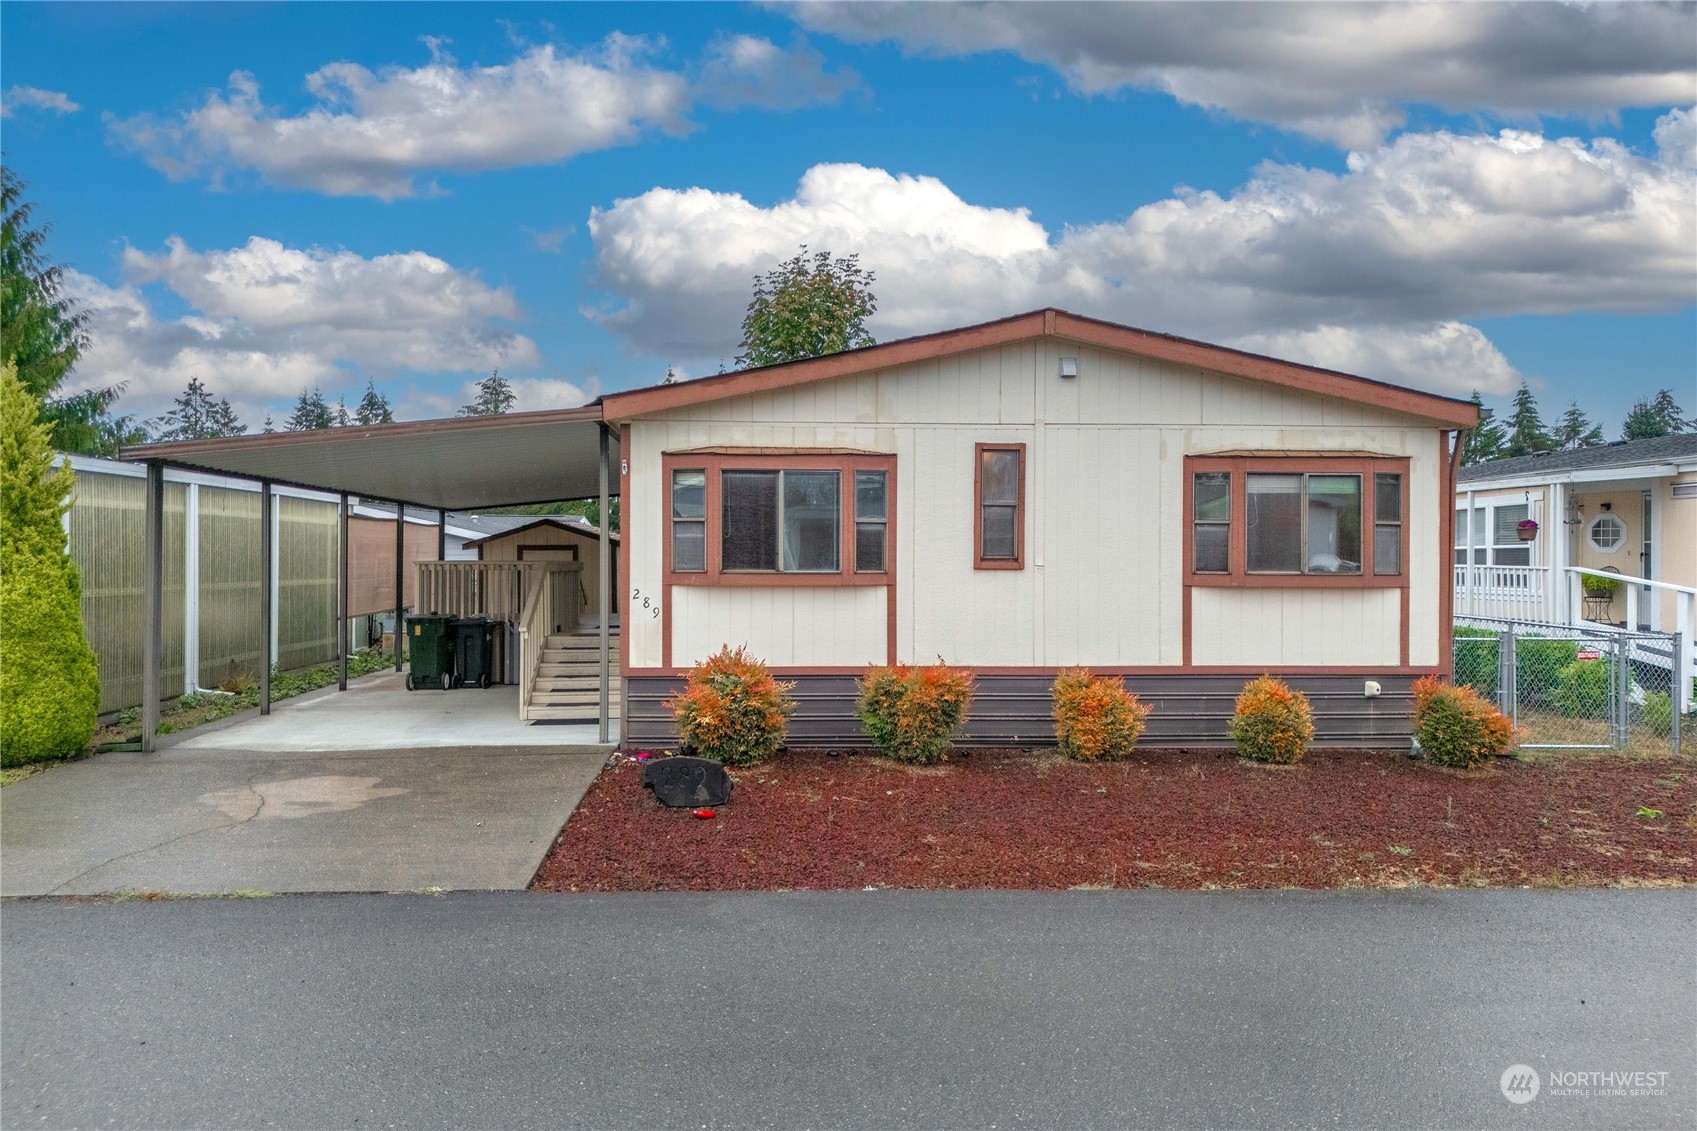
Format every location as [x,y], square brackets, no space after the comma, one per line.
[580,194]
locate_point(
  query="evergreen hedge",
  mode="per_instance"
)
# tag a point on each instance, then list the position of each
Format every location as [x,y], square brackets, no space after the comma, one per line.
[49,682]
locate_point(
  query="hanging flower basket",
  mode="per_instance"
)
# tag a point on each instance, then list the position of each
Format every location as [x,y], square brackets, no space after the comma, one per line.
[1527,529]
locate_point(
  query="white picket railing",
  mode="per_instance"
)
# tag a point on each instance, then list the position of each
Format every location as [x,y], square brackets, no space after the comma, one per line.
[1503,591]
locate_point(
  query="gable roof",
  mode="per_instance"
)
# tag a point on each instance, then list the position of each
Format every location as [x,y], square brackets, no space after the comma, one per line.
[1680,448]
[1038,324]
[576,524]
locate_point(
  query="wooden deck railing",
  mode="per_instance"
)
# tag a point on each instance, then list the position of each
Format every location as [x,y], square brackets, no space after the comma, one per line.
[497,590]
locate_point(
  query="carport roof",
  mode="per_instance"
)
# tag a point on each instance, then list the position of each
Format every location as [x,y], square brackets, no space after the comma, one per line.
[461,463]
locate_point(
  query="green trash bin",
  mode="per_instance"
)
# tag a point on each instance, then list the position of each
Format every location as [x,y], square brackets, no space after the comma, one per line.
[474,651]
[431,644]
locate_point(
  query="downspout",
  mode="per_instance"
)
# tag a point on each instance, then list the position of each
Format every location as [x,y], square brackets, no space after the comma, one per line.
[1446,628]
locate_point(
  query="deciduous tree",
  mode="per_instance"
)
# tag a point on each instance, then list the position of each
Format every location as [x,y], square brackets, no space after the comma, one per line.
[810,306]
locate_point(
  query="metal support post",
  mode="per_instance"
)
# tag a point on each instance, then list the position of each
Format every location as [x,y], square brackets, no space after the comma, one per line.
[400,634]
[267,582]
[153,650]
[342,595]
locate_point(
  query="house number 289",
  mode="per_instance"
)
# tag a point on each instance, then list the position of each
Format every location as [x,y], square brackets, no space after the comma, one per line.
[647,603]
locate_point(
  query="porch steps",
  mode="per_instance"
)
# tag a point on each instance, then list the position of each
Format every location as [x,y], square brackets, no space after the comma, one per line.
[568,679]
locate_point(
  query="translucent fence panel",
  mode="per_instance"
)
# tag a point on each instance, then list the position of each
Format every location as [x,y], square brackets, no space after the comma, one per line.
[1569,687]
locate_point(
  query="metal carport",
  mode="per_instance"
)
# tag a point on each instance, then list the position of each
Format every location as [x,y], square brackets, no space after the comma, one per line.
[463,463]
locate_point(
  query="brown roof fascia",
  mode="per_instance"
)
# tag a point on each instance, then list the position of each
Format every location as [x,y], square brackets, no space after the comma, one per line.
[1039,323]
[186,450]
[658,398]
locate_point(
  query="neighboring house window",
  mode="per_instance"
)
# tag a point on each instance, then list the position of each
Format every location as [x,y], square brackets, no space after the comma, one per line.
[689,520]
[762,518]
[999,491]
[1280,520]
[1607,533]
[1496,535]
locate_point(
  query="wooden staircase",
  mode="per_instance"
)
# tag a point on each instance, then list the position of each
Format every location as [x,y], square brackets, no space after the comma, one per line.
[567,686]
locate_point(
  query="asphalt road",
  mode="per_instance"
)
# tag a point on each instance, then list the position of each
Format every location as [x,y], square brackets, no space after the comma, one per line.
[875,1009]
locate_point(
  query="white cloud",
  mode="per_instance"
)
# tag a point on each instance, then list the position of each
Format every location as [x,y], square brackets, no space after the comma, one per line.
[1372,271]
[1341,72]
[1676,138]
[267,320]
[371,133]
[748,70]
[33,97]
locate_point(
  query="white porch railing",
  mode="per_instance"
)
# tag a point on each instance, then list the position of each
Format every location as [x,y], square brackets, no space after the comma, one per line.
[1503,592]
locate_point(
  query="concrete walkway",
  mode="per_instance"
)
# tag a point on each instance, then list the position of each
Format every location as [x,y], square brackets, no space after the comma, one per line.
[372,789]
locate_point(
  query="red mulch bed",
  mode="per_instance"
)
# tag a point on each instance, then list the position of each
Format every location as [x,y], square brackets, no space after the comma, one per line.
[1170,819]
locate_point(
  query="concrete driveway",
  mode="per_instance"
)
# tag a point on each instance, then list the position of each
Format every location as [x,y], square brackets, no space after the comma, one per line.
[469,804]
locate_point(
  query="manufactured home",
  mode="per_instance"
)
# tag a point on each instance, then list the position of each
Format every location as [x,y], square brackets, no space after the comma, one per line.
[1016,497]
[1036,493]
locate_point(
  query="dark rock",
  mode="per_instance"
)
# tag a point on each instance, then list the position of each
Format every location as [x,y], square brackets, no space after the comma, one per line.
[687,783]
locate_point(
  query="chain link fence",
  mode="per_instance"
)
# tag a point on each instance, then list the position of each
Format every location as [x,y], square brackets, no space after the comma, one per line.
[1569,687]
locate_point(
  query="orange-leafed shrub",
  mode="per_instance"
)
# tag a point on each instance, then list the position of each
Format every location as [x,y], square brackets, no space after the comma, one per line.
[731,709]
[1272,723]
[1096,718]
[1458,727]
[912,714]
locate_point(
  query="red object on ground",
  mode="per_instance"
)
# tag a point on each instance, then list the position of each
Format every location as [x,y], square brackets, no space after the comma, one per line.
[1171,819]
[705,814]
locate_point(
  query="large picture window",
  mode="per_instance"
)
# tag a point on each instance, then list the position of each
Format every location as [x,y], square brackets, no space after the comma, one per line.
[1296,521]
[777,519]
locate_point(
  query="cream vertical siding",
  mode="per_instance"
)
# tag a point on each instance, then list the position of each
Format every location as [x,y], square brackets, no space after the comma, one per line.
[1103,580]
[1281,627]
[790,626]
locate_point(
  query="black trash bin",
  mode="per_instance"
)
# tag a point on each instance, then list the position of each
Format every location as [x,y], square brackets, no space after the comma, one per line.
[431,645]
[474,651]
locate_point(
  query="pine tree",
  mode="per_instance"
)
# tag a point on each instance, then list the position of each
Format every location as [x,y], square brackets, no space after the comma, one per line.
[49,680]
[1526,432]
[267,425]
[373,407]
[342,419]
[1575,430]
[196,416]
[310,414]
[1486,441]
[495,397]
[1659,417]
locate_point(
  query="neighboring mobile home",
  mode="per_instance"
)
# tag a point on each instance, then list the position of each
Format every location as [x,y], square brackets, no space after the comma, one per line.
[1035,493]
[1627,508]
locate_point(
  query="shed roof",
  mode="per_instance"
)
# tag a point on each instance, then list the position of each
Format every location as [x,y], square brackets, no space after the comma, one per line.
[577,524]
[1680,448]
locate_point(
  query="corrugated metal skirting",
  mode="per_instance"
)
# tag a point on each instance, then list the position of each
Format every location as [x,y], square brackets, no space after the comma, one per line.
[1191,710]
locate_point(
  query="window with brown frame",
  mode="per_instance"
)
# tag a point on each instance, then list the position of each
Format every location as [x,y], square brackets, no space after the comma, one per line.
[1296,521]
[999,502]
[771,519]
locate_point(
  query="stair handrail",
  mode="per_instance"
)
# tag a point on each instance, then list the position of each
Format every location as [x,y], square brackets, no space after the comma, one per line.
[536,621]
